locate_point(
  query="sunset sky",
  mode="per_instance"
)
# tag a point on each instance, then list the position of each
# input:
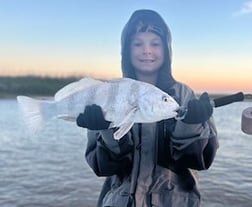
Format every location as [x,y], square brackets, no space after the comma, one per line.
[211,40]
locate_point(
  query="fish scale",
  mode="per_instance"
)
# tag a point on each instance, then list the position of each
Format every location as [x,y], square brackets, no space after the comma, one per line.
[112,89]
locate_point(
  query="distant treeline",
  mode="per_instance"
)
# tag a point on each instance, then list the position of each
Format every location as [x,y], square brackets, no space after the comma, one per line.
[45,86]
[32,85]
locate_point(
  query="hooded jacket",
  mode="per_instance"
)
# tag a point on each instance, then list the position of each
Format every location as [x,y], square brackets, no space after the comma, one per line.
[154,164]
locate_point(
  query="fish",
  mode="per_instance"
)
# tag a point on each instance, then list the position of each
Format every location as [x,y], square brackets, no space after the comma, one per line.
[124,101]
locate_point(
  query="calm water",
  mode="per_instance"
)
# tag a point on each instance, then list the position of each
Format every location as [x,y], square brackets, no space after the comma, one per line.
[50,169]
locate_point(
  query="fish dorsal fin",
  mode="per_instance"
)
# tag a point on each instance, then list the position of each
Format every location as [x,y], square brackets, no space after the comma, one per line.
[76,86]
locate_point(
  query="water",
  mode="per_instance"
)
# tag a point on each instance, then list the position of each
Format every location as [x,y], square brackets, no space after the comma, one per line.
[50,169]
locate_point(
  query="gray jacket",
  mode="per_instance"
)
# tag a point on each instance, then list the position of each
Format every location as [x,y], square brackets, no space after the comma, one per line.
[154,164]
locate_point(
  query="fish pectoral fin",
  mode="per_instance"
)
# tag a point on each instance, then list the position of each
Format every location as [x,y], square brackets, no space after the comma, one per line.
[123,129]
[125,124]
[128,118]
[67,118]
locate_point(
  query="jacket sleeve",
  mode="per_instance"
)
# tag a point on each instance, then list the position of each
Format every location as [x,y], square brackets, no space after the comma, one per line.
[107,156]
[193,145]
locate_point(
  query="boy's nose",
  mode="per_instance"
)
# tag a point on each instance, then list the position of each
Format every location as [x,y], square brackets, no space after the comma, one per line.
[147,50]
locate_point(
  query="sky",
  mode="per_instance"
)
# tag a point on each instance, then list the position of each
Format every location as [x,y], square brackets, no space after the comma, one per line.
[211,39]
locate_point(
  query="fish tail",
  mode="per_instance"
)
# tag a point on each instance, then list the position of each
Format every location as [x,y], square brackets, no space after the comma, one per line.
[36,112]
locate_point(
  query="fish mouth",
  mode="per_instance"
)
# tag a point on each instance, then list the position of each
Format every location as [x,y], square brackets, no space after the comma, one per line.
[181,112]
[172,114]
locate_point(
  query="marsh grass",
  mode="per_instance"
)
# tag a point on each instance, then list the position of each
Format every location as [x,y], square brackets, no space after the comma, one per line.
[32,85]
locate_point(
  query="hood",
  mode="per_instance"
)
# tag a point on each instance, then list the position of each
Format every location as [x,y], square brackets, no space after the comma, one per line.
[141,21]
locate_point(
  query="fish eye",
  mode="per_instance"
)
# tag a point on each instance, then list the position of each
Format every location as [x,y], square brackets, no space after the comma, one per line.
[165,98]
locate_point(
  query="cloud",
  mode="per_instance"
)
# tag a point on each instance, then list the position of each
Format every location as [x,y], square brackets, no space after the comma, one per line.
[246,8]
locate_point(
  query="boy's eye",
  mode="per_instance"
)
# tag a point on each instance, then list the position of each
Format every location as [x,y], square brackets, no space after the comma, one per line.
[137,44]
[156,44]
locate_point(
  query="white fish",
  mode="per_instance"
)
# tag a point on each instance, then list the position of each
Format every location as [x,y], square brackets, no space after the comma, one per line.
[123,101]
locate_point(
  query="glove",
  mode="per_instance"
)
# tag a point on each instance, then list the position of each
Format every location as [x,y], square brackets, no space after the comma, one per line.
[198,110]
[92,118]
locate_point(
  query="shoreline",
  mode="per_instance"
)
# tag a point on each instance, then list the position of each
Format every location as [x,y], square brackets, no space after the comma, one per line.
[39,96]
[39,86]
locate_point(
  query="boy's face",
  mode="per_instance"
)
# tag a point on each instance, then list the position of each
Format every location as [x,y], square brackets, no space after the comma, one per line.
[146,52]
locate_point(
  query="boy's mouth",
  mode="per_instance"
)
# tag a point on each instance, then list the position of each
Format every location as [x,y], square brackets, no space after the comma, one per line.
[147,60]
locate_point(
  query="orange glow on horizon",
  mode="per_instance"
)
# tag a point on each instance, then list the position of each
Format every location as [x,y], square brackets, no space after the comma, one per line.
[212,81]
[217,84]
